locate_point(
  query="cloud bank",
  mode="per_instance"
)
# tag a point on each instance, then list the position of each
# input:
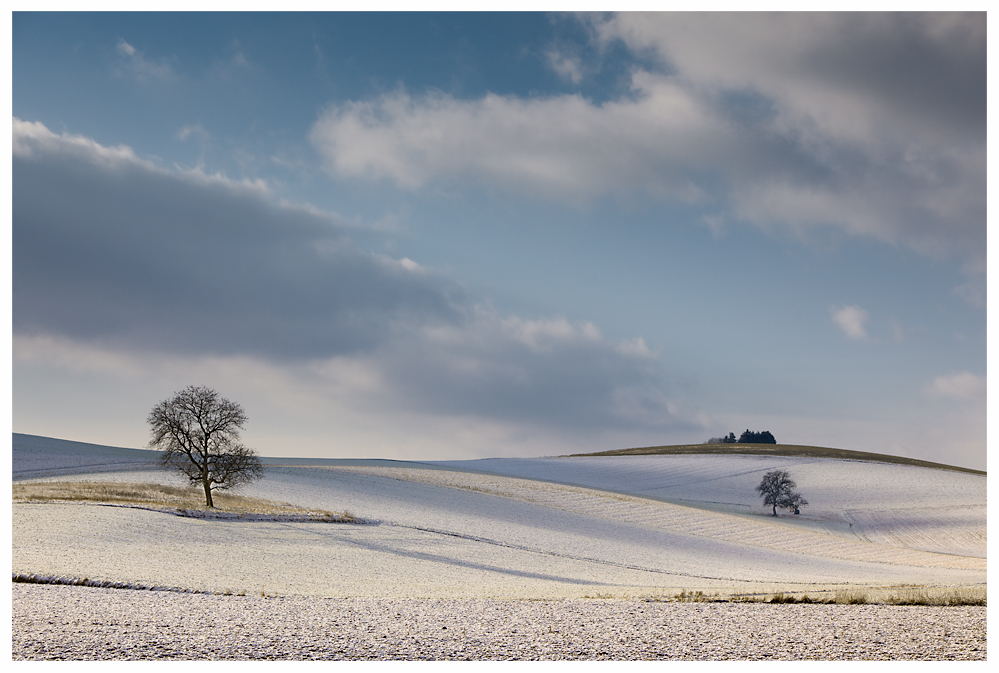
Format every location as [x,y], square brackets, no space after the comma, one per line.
[112,252]
[868,124]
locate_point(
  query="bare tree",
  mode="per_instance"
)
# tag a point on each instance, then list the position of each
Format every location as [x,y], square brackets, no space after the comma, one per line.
[777,489]
[198,432]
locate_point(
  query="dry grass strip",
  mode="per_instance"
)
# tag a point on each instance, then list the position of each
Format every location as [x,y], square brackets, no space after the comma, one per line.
[187,501]
[941,596]
[793,450]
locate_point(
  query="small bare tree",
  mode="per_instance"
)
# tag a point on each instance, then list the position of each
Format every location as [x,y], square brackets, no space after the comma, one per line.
[777,489]
[198,432]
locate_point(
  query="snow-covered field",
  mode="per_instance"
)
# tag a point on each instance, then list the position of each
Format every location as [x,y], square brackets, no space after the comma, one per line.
[627,526]
[61,622]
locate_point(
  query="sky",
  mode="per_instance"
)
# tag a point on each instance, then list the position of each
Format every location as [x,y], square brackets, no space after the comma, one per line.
[465,235]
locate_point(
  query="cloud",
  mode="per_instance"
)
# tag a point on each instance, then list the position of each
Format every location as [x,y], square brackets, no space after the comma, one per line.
[530,371]
[196,131]
[562,146]
[567,67]
[133,63]
[871,125]
[973,292]
[850,319]
[125,49]
[960,386]
[886,107]
[110,247]
[33,141]
[236,65]
[113,253]
[846,75]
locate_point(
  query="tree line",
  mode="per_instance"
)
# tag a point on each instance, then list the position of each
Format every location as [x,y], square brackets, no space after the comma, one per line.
[748,437]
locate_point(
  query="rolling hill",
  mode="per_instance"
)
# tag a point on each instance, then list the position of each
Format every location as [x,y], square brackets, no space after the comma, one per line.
[623,524]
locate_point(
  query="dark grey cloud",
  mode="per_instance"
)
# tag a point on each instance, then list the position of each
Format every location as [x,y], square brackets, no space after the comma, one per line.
[925,72]
[114,252]
[120,251]
[872,122]
[533,371]
[928,71]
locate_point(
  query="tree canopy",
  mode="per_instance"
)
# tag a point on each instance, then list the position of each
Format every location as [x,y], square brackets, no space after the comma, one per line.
[198,432]
[749,437]
[777,489]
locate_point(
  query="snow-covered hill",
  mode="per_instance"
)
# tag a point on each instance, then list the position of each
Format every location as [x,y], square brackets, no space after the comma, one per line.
[546,527]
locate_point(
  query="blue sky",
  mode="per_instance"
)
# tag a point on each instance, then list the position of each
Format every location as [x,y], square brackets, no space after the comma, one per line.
[449,235]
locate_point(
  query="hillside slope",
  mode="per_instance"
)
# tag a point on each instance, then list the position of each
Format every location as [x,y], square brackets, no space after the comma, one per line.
[789,450]
[527,528]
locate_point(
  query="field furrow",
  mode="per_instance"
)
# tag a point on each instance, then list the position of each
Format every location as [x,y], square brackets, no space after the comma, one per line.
[755,531]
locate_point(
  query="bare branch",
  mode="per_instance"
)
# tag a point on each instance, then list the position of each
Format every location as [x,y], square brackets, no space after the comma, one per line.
[777,489]
[198,432]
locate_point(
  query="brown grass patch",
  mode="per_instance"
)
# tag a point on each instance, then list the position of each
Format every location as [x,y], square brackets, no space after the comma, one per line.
[793,450]
[974,595]
[187,500]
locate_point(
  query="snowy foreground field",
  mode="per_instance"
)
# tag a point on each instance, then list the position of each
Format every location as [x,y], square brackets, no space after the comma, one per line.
[598,536]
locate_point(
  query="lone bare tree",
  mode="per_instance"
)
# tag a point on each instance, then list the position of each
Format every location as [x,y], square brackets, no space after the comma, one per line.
[777,489]
[198,432]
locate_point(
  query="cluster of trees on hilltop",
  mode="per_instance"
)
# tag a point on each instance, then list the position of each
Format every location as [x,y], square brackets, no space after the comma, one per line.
[764,437]
[748,437]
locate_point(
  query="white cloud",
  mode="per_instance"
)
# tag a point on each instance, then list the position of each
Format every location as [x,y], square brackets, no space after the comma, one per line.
[543,335]
[562,146]
[567,67]
[872,125]
[32,140]
[125,49]
[961,386]
[193,131]
[35,142]
[850,319]
[133,63]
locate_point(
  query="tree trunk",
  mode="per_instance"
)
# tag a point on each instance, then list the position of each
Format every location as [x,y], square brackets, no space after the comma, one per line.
[208,493]
[775,509]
